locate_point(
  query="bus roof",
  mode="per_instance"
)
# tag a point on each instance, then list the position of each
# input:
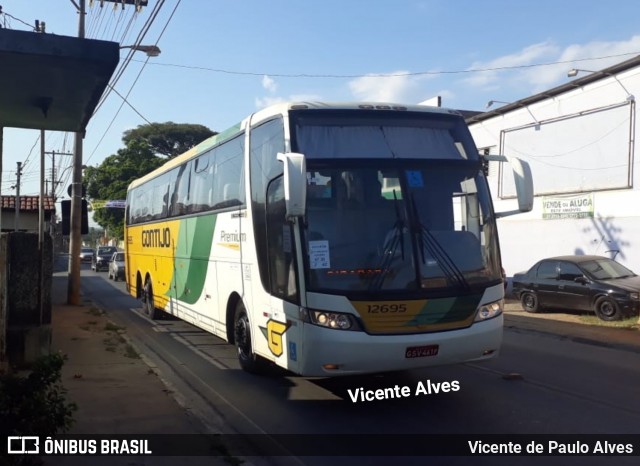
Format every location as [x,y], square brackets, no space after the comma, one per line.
[281,109]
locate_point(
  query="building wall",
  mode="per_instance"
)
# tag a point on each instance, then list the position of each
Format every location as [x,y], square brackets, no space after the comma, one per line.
[28,221]
[580,146]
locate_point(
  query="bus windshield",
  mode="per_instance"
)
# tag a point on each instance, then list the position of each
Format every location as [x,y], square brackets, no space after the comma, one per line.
[383,225]
[396,201]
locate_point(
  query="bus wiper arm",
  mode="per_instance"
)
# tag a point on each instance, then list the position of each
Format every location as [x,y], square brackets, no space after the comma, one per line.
[399,225]
[390,246]
[431,244]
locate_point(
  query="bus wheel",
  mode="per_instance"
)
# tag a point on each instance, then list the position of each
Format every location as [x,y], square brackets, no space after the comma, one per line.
[242,337]
[149,306]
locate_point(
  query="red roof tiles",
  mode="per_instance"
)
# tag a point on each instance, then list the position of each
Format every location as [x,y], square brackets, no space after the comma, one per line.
[27,203]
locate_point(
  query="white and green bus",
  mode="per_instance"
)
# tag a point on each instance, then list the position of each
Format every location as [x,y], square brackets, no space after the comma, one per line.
[329,239]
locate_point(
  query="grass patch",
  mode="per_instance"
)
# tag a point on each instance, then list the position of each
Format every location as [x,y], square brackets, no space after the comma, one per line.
[111,327]
[130,352]
[94,311]
[630,323]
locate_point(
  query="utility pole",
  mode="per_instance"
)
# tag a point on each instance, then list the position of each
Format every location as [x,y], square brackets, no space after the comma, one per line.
[17,219]
[41,205]
[54,182]
[1,155]
[73,289]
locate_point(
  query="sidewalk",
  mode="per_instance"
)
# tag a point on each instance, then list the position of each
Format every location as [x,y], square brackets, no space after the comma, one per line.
[115,391]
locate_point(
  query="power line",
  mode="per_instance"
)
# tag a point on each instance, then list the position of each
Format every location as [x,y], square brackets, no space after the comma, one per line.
[134,82]
[17,19]
[387,75]
[128,103]
[120,71]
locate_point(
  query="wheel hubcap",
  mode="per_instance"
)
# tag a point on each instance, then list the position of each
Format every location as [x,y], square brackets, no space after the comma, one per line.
[243,340]
[529,301]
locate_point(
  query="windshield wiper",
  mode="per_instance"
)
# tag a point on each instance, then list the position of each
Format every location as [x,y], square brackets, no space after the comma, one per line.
[390,246]
[430,243]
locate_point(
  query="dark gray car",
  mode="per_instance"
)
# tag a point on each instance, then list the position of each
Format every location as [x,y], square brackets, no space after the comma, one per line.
[101,258]
[589,283]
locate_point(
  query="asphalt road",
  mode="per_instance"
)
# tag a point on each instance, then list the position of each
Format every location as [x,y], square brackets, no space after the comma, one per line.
[538,385]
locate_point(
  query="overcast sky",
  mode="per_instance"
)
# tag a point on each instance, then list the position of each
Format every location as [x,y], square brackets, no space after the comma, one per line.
[223,59]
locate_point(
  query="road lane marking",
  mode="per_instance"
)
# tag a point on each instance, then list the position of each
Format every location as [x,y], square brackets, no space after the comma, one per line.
[156,327]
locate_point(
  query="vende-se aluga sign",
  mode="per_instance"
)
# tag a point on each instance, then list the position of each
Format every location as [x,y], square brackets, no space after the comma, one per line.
[570,206]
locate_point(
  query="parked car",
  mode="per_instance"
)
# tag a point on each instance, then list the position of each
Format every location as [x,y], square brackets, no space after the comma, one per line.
[116,266]
[86,254]
[102,257]
[589,283]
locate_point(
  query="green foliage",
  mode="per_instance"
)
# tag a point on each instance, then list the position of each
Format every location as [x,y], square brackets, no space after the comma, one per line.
[35,404]
[109,181]
[169,139]
[147,148]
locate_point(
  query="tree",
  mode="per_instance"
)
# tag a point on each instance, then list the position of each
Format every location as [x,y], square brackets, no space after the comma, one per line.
[169,139]
[109,181]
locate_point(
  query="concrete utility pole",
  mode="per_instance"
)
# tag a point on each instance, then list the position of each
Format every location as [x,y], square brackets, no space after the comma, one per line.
[41,203]
[73,289]
[17,219]
[54,182]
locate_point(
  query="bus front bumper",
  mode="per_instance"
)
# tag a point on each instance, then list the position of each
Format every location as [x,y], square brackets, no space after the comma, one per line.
[328,352]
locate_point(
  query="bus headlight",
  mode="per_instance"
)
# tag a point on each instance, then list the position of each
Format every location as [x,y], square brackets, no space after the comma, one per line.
[489,311]
[334,320]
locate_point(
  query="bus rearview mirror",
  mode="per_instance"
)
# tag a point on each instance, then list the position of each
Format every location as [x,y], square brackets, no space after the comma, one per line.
[523,181]
[295,183]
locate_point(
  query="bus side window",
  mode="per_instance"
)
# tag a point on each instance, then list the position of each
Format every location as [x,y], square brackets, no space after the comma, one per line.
[280,245]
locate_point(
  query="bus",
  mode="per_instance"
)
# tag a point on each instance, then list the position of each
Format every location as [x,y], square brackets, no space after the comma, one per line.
[328,239]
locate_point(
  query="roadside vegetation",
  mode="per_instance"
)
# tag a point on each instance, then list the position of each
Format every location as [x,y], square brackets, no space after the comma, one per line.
[33,402]
[630,323]
[146,148]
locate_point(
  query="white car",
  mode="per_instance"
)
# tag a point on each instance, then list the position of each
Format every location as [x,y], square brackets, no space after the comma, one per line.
[116,266]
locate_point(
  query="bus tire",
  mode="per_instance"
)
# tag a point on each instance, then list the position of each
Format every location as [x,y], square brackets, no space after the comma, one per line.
[149,307]
[249,361]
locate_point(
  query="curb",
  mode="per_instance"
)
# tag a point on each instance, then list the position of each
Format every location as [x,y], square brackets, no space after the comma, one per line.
[605,337]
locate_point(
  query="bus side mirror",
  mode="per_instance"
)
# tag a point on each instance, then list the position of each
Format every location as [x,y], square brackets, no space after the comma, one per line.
[523,182]
[295,183]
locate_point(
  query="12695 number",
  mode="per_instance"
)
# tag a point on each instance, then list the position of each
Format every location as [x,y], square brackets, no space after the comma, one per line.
[386,308]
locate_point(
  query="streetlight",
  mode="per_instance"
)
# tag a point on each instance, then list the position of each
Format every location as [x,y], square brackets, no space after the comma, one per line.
[572,73]
[150,50]
[491,102]
[526,107]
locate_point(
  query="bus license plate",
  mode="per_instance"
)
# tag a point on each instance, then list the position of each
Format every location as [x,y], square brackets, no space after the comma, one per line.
[421,351]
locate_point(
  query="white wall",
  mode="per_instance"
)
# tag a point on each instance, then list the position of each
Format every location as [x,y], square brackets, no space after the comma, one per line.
[584,143]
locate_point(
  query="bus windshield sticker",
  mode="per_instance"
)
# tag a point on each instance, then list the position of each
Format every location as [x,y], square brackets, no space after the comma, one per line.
[319,254]
[414,178]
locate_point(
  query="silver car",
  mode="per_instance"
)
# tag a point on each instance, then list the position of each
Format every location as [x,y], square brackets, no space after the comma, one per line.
[116,266]
[86,254]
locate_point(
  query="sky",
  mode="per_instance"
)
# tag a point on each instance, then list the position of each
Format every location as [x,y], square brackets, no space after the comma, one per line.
[221,60]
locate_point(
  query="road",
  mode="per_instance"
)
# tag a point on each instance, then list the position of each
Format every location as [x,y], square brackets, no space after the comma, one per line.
[540,384]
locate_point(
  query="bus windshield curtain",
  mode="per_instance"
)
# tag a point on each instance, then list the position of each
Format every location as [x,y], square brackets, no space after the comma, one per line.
[377,142]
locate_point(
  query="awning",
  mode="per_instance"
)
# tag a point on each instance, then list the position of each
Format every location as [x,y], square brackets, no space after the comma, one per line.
[52,82]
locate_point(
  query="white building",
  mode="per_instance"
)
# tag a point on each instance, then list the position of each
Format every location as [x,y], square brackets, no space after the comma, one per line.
[579,139]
